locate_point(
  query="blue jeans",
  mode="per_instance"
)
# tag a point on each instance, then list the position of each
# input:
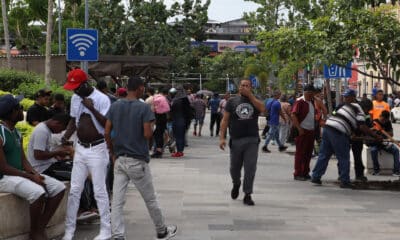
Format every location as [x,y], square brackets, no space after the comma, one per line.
[391,148]
[338,143]
[273,133]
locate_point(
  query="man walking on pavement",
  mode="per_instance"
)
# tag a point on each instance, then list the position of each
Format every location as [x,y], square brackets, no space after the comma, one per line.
[131,121]
[303,114]
[241,115]
[215,114]
[88,109]
[273,109]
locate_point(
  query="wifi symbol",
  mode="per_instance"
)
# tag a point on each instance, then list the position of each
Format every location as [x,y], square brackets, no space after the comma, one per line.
[82,42]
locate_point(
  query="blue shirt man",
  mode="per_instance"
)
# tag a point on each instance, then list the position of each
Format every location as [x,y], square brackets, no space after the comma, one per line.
[273,108]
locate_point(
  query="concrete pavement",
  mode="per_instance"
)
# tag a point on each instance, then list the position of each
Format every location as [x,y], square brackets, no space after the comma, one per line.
[194,193]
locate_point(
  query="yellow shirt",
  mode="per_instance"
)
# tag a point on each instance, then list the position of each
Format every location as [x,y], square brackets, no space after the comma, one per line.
[378,108]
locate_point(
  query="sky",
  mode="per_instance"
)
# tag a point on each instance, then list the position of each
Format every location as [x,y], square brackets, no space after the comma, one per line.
[225,10]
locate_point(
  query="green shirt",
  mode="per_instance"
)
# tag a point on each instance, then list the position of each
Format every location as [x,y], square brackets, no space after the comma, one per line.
[12,147]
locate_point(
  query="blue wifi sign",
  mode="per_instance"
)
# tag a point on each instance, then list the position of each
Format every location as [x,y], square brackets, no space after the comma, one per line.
[82,44]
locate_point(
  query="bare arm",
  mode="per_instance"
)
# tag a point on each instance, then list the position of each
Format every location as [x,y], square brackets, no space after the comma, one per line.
[147,130]
[46,155]
[257,103]
[223,128]
[107,136]
[368,131]
[71,128]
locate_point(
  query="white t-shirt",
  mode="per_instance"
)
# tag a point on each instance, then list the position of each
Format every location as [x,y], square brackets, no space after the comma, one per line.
[101,103]
[308,122]
[40,140]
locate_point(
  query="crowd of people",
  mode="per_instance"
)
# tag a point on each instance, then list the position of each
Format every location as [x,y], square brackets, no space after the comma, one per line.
[93,144]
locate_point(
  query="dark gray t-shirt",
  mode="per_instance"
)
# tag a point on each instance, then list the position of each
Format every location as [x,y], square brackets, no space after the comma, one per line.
[127,118]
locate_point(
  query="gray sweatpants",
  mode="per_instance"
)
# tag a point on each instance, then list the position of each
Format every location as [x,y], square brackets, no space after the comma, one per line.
[244,152]
[128,169]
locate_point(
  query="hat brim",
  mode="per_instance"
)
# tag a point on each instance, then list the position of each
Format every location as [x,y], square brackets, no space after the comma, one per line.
[71,86]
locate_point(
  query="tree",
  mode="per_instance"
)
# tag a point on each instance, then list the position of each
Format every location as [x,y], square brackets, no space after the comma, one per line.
[49,32]
[337,29]
[6,33]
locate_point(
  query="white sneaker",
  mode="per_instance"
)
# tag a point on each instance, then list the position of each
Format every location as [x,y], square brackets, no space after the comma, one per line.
[103,235]
[68,236]
[169,233]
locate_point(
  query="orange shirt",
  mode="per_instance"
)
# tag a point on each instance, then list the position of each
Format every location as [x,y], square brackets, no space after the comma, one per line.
[378,108]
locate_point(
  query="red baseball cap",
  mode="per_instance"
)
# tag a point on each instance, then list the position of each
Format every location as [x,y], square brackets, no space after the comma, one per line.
[75,78]
[121,91]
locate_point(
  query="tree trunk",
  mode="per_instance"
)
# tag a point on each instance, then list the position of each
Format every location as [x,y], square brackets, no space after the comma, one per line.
[6,33]
[48,43]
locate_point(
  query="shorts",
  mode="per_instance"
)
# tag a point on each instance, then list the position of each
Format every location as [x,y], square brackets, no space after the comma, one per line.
[28,189]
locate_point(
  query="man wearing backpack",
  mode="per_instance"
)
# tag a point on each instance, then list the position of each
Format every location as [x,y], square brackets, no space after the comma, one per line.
[161,108]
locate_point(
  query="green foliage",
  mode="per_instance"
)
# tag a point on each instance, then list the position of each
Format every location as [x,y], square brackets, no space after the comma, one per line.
[26,131]
[26,103]
[29,89]
[335,29]
[2,93]
[11,79]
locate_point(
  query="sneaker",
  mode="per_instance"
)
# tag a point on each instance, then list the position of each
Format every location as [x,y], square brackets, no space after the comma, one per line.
[103,236]
[299,178]
[194,133]
[177,154]
[265,149]
[283,148]
[316,181]
[170,232]
[87,215]
[67,236]
[376,173]
[235,191]
[156,154]
[307,177]
[211,134]
[396,174]
[346,185]
[361,179]
[247,200]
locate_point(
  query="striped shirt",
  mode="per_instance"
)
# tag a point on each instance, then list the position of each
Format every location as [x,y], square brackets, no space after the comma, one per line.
[347,118]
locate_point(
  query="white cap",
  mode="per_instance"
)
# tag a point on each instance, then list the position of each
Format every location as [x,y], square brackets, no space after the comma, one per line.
[172,90]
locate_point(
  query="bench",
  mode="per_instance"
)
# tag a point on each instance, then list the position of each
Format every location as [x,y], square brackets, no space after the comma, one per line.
[15,220]
[385,161]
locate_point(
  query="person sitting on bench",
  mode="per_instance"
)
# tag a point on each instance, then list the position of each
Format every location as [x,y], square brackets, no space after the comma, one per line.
[384,127]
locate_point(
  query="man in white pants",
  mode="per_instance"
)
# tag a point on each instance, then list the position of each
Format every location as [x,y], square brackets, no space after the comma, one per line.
[88,108]
[131,121]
